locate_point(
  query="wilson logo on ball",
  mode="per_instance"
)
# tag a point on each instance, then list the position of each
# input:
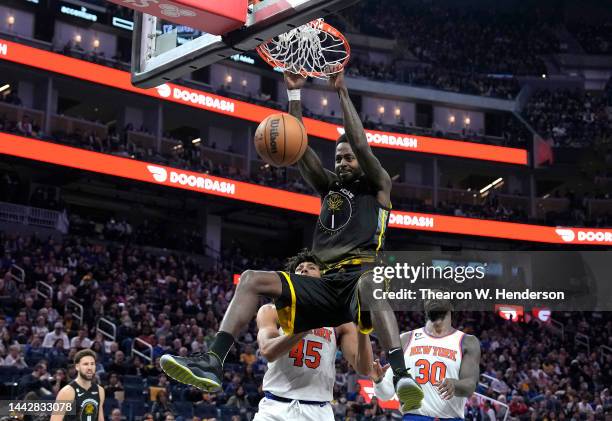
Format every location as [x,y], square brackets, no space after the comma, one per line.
[280,140]
[274,135]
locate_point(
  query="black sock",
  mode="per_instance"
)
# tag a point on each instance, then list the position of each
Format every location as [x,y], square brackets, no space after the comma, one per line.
[395,356]
[221,346]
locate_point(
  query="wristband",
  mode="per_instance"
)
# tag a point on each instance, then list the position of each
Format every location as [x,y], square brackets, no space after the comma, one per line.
[294,94]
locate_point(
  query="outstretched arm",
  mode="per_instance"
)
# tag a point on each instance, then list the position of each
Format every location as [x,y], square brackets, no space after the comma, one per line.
[468,373]
[383,377]
[310,165]
[353,129]
[356,348]
[272,344]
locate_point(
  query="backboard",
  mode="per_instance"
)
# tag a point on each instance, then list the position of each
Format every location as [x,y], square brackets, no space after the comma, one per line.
[160,55]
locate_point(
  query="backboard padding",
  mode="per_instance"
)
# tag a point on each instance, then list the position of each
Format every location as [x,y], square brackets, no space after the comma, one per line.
[265,20]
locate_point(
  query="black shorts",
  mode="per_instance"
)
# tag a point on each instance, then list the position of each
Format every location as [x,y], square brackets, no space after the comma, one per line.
[309,303]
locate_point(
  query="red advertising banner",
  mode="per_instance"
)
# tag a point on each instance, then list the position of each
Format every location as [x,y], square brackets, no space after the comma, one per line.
[119,79]
[366,390]
[203,183]
[157,174]
[498,229]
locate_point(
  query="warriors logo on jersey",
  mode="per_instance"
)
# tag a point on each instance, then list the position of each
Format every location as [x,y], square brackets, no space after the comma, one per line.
[87,403]
[335,212]
[88,410]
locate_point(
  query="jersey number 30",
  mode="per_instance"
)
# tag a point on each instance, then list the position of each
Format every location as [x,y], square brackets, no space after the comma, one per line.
[313,356]
[427,372]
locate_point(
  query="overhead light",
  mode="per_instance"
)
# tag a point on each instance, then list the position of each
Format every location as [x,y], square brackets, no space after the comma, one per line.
[228,79]
[77,38]
[96,43]
[196,141]
[4,87]
[451,119]
[398,111]
[493,184]
[381,110]
[10,20]
[123,23]
[543,75]
[467,121]
[324,102]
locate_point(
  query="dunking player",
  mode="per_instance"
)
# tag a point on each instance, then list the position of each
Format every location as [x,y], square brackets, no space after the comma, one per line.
[348,236]
[86,395]
[445,362]
[301,367]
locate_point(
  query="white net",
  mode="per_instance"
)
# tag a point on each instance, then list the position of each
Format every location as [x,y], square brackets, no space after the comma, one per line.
[314,49]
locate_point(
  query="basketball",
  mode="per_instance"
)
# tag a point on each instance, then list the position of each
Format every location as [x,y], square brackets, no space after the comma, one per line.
[281,140]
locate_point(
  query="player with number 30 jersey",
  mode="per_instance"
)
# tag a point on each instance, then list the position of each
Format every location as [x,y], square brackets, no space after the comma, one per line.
[444,361]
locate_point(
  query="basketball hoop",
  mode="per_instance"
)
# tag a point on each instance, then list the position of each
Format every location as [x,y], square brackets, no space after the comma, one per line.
[312,50]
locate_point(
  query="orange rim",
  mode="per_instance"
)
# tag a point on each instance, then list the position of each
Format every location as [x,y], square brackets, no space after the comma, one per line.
[322,26]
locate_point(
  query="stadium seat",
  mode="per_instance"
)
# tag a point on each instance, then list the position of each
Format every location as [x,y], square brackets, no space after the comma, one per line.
[126,409]
[138,408]
[133,392]
[205,411]
[109,405]
[177,389]
[132,380]
[184,409]
[8,373]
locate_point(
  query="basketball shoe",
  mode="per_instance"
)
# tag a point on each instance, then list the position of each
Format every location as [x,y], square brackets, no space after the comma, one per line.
[202,370]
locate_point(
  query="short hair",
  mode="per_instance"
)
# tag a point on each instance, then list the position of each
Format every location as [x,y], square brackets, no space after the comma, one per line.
[342,139]
[84,353]
[303,256]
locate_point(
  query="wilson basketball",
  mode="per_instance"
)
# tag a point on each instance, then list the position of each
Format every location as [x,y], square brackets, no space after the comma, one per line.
[281,140]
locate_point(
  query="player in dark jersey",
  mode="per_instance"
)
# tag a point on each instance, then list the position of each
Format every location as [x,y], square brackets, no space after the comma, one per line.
[84,392]
[348,236]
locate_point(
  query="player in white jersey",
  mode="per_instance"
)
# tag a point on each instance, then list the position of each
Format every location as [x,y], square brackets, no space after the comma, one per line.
[443,360]
[301,368]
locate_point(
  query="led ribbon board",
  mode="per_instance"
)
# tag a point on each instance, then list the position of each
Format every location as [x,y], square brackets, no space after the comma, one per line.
[107,76]
[203,183]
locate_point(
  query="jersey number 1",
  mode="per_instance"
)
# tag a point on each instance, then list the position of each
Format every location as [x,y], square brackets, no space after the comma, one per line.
[427,372]
[313,356]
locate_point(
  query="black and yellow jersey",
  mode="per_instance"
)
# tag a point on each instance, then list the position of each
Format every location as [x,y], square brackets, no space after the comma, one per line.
[87,403]
[352,224]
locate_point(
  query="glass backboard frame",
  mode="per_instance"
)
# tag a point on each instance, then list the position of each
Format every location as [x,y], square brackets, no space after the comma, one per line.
[266,19]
